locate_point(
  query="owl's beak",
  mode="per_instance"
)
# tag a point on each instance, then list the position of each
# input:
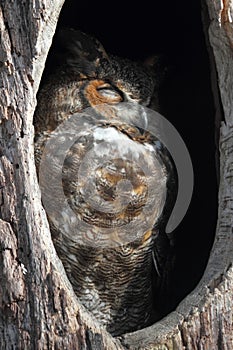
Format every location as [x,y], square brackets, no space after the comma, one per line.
[141,130]
[134,114]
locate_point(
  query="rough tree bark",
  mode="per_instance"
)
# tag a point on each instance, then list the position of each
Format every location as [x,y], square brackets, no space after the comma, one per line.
[38,309]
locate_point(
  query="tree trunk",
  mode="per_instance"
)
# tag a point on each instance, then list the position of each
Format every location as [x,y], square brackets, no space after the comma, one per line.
[38,309]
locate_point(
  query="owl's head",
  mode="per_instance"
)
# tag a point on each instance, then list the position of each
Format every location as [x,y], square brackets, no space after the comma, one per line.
[105,78]
[81,75]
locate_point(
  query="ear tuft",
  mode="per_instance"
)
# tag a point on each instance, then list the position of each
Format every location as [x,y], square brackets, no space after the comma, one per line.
[79,51]
[152,61]
[157,64]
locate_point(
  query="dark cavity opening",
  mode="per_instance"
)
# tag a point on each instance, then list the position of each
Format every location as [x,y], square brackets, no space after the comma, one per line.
[175,30]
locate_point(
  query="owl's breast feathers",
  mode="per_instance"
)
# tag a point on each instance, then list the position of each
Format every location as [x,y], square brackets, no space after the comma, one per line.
[114,283]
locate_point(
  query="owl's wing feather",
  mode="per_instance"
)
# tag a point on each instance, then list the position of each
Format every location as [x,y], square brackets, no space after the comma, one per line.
[164,244]
[80,51]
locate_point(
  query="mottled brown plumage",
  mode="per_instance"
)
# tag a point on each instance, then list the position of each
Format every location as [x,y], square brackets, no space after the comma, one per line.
[115,282]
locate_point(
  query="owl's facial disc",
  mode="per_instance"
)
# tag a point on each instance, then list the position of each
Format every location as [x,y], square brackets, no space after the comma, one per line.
[99,92]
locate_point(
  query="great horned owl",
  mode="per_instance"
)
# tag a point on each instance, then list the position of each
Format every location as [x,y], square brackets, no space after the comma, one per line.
[119,284]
